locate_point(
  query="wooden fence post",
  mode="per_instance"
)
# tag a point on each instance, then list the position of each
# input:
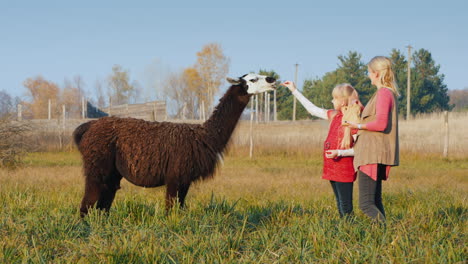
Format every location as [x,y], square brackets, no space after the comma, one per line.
[83,109]
[49,116]
[256,108]
[268,107]
[446,136]
[203,110]
[110,106]
[154,111]
[183,111]
[61,129]
[63,117]
[20,114]
[199,112]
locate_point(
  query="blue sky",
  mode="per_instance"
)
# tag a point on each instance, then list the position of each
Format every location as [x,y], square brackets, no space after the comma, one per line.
[58,40]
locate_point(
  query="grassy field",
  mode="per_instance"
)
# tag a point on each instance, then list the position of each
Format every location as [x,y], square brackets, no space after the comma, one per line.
[272,209]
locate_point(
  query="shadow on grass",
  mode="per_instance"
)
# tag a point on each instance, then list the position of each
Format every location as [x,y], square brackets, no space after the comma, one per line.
[256,215]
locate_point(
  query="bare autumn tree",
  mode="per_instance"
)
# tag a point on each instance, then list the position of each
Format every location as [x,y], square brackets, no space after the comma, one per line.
[39,91]
[100,98]
[193,94]
[13,143]
[137,93]
[213,66]
[71,95]
[120,89]
[185,90]
[174,90]
[6,104]
[459,99]
[79,84]
[155,75]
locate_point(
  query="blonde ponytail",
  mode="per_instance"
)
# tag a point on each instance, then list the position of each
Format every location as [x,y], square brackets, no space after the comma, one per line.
[346,141]
[383,65]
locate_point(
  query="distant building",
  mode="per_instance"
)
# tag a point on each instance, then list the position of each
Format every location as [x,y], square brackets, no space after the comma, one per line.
[94,112]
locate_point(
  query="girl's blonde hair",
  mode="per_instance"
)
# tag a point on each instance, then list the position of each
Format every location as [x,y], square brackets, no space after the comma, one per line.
[347,92]
[383,65]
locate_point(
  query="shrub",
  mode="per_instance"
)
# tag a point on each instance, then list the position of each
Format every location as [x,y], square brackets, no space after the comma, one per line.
[13,144]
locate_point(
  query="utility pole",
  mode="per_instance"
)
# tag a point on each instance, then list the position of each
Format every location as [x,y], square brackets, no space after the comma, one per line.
[408,90]
[294,98]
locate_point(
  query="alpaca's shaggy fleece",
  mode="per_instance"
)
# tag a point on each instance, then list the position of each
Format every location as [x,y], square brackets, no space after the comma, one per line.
[152,154]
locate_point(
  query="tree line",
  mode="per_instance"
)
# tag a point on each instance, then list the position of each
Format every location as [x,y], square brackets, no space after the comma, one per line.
[192,90]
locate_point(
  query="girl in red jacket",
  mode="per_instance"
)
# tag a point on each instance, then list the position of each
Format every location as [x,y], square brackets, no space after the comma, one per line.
[338,154]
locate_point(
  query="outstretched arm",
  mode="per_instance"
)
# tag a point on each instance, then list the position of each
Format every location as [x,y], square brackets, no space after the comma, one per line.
[308,105]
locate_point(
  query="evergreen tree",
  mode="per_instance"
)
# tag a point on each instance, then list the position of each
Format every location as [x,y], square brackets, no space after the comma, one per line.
[400,67]
[353,71]
[319,91]
[284,103]
[428,91]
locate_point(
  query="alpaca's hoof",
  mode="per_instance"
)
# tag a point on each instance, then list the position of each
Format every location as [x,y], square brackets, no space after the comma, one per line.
[83,213]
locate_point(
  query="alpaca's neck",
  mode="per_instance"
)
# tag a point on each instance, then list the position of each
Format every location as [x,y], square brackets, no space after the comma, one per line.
[224,118]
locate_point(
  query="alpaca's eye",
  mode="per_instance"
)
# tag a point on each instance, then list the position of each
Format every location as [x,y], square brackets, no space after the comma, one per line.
[253,80]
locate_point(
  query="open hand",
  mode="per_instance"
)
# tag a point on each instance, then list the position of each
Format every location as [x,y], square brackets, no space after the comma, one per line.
[291,85]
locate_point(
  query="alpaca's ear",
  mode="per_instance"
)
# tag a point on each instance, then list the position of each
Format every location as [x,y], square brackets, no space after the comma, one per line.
[233,81]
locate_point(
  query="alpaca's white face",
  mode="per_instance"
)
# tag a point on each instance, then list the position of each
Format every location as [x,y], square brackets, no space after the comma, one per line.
[255,83]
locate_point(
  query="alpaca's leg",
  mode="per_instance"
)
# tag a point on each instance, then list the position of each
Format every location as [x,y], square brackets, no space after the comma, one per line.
[171,194]
[92,193]
[176,191]
[108,193]
[182,192]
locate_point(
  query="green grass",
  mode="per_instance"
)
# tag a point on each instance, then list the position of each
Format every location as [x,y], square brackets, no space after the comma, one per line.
[274,209]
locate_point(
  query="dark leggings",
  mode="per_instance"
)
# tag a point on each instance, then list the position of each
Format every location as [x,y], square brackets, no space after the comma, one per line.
[370,195]
[344,197]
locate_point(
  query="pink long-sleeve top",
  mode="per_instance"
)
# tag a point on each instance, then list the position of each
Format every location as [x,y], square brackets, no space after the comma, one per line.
[385,101]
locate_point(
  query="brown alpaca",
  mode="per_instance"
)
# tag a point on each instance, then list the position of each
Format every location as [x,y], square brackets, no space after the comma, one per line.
[152,154]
